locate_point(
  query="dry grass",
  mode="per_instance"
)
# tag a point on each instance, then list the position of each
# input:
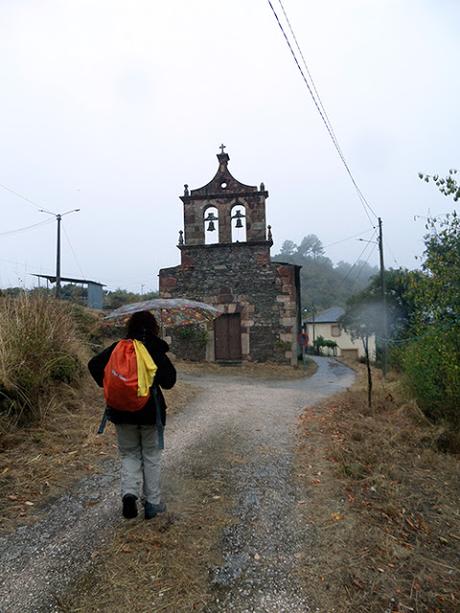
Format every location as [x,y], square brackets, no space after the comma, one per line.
[36,461]
[163,564]
[40,462]
[39,351]
[384,503]
[49,406]
[250,370]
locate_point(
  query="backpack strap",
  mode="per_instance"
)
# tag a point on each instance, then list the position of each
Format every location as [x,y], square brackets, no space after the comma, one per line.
[158,422]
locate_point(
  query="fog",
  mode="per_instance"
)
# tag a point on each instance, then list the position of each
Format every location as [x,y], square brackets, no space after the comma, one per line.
[112,106]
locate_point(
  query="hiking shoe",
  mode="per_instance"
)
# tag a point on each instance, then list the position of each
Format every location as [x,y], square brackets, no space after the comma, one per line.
[151,510]
[129,506]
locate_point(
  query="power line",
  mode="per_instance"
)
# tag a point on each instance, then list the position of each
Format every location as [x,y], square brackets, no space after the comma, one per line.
[365,204]
[25,228]
[366,247]
[12,191]
[392,254]
[344,240]
[73,252]
[358,259]
[309,73]
[363,264]
[439,326]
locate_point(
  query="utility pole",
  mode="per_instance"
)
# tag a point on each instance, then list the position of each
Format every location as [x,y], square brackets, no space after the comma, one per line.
[58,217]
[314,327]
[384,302]
[58,257]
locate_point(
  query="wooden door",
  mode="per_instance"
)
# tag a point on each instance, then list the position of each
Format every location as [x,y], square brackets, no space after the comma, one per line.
[227,337]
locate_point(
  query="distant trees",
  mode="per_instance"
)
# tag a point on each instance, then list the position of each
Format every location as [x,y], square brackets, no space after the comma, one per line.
[117,298]
[323,284]
[78,294]
[310,246]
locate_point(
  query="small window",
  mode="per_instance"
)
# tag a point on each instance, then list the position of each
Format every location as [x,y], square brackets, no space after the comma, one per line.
[335,330]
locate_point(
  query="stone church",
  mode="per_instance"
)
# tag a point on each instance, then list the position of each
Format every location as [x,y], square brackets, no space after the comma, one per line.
[225,261]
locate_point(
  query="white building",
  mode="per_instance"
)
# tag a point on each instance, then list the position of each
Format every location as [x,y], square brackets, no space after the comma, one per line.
[326,324]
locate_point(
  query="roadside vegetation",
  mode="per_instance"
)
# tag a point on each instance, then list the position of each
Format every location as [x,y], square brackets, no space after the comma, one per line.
[50,407]
[41,358]
[383,504]
[382,461]
[423,332]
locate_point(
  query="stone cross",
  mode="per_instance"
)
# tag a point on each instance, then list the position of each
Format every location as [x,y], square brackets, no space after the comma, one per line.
[222,148]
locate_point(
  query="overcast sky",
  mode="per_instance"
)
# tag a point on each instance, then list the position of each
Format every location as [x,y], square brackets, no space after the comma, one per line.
[111,106]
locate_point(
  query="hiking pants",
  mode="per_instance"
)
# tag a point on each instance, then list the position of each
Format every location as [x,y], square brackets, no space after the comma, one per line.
[140,461]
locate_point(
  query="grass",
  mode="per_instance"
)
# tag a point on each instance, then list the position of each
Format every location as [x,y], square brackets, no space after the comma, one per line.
[163,564]
[384,504]
[41,462]
[170,560]
[40,353]
[49,406]
[251,370]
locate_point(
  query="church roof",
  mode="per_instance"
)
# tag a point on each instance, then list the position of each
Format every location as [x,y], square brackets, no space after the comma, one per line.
[223,184]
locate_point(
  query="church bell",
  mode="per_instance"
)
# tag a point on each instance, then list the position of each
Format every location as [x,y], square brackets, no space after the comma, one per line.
[211,218]
[239,217]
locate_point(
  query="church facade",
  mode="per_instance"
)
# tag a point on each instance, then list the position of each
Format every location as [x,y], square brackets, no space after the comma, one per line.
[225,261]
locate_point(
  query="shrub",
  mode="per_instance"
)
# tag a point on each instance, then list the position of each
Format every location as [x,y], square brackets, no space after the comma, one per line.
[193,333]
[189,342]
[39,351]
[432,373]
[283,346]
[321,342]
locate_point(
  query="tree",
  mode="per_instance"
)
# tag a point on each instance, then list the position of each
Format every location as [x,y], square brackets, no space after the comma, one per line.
[117,298]
[288,248]
[432,359]
[362,319]
[74,293]
[323,284]
[447,185]
[310,246]
[440,296]
[402,286]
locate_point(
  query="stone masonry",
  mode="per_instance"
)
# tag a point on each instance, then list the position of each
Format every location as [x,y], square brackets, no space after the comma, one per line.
[237,277]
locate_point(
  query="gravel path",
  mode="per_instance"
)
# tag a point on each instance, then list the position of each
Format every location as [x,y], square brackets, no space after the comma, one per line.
[255,419]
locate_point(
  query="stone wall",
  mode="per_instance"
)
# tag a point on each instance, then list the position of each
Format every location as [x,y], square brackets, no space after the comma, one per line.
[240,278]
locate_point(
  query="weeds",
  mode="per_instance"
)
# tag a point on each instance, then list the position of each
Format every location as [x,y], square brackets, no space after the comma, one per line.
[41,461]
[393,545]
[39,353]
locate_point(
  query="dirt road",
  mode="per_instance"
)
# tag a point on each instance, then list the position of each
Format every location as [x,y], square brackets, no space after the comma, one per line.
[253,419]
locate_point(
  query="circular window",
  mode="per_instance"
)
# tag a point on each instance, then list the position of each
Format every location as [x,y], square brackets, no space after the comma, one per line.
[223,185]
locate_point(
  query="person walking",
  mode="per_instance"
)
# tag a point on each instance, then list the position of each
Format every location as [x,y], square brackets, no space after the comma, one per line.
[138,428]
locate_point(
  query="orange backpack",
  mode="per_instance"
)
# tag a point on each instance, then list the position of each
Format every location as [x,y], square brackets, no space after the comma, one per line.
[121,380]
